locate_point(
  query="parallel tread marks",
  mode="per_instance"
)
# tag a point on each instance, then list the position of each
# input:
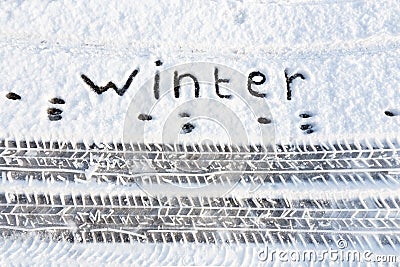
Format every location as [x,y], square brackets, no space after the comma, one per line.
[114,218]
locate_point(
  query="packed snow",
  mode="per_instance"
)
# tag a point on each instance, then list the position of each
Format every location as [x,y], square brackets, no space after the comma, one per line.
[347,52]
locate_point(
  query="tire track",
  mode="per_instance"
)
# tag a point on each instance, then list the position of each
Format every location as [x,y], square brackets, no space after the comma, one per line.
[93,216]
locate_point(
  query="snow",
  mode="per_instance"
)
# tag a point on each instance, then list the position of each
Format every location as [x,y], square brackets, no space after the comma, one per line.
[348,52]
[147,254]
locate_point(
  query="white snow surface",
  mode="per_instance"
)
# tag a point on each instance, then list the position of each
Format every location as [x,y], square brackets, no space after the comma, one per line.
[176,254]
[348,51]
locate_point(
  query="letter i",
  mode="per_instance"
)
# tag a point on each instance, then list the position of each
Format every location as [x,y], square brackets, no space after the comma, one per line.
[156,87]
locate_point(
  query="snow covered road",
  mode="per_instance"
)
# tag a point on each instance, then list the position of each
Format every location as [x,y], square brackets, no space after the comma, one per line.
[154,133]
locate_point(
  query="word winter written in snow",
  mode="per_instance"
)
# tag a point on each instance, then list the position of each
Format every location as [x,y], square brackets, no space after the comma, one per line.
[253,78]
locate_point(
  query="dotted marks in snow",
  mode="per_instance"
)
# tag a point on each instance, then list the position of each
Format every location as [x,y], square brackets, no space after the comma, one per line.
[263,120]
[145,117]
[13,96]
[392,113]
[187,128]
[307,128]
[184,115]
[54,114]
